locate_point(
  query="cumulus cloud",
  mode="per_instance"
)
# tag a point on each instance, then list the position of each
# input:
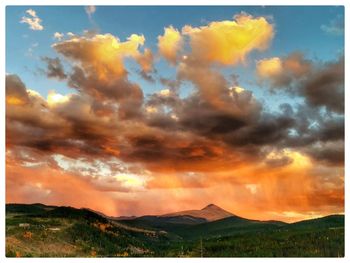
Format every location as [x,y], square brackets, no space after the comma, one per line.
[16,92]
[33,20]
[57,35]
[320,84]
[54,68]
[145,60]
[101,53]
[242,35]
[281,72]
[100,71]
[325,87]
[170,43]
[330,153]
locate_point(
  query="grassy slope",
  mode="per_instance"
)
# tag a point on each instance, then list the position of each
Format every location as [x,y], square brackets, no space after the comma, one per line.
[323,237]
[81,233]
[227,226]
[84,233]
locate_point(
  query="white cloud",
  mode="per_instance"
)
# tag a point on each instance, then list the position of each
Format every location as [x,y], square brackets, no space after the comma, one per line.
[31,12]
[90,10]
[33,20]
[58,35]
[335,26]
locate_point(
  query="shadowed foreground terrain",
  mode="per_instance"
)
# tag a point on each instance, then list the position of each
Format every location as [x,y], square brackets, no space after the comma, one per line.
[38,230]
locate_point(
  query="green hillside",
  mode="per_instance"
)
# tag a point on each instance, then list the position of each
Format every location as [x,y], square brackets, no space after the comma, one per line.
[28,209]
[229,226]
[322,237]
[66,231]
[47,231]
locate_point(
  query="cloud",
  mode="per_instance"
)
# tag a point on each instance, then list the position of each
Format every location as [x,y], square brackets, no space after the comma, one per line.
[320,84]
[145,61]
[325,87]
[170,44]
[101,53]
[100,71]
[242,35]
[54,68]
[59,36]
[233,120]
[16,92]
[271,67]
[90,10]
[30,123]
[330,153]
[33,21]
[282,72]
[335,26]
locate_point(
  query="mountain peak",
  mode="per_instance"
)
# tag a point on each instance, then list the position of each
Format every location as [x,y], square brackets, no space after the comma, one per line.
[210,213]
[211,206]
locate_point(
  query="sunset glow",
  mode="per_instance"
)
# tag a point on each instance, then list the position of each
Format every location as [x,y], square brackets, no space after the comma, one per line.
[128,116]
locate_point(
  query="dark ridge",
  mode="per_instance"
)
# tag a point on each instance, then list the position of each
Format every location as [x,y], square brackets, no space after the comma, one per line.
[74,213]
[36,208]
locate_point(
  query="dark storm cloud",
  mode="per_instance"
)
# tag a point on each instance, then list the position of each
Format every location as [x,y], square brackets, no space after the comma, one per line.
[146,76]
[15,88]
[175,151]
[170,83]
[321,84]
[127,94]
[70,127]
[107,89]
[110,116]
[332,130]
[329,153]
[268,130]
[170,99]
[54,68]
[326,87]
[201,117]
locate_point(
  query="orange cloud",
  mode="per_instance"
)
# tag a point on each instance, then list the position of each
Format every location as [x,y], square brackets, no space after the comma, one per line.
[229,42]
[282,71]
[16,93]
[170,44]
[103,54]
[269,67]
[145,60]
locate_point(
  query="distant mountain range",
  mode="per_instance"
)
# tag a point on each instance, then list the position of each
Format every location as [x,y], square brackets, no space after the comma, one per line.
[171,234]
[208,221]
[209,213]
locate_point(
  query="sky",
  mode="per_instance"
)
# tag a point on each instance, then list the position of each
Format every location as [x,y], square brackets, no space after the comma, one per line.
[150,110]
